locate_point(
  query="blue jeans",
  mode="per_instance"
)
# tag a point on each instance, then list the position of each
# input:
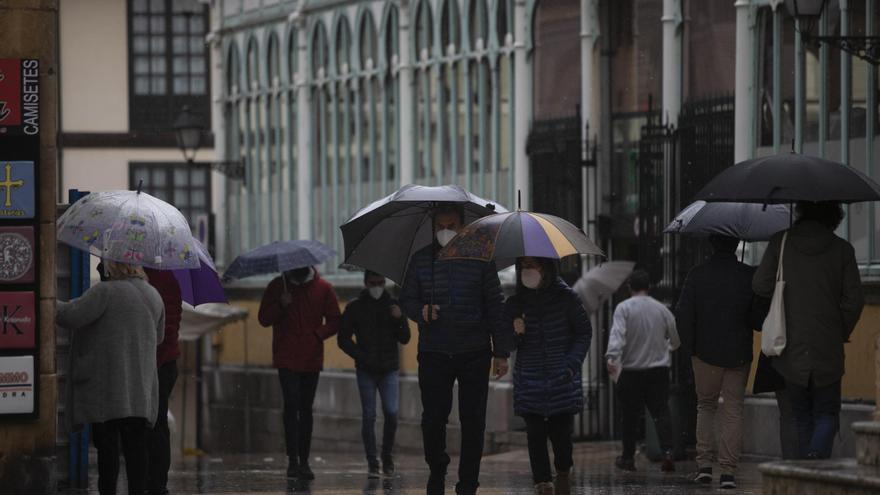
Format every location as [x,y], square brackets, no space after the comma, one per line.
[389,392]
[817,415]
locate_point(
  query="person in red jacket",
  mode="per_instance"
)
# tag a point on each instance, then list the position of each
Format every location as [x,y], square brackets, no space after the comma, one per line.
[303,312]
[159,438]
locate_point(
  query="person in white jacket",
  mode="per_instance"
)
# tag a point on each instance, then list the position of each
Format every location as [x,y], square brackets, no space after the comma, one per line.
[639,355]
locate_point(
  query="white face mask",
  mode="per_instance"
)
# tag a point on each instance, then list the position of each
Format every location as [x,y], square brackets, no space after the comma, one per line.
[531,278]
[376,292]
[444,236]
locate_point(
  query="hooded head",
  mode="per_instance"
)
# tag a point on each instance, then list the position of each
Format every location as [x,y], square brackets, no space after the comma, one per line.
[299,275]
[827,213]
[722,244]
[535,273]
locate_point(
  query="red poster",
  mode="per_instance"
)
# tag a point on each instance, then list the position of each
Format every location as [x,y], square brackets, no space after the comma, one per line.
[17,320]
[19,97]
[17,254]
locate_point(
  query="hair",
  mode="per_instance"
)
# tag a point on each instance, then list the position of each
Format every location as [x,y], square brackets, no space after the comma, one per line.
[828,213]
[123,271]
[447,208]
[639,281]
[549,267]
[370,273]
[723,244]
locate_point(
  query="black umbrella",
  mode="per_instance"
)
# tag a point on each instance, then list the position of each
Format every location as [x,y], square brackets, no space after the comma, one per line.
[789,178]
[383,236]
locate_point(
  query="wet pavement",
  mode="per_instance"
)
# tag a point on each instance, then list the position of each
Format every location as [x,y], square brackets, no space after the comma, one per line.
[506,473]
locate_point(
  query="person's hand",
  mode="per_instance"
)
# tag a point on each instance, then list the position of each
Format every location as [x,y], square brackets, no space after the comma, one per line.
[499,367]
[612,367]
[286,299]
[434,314]
[519,326]
[395,311]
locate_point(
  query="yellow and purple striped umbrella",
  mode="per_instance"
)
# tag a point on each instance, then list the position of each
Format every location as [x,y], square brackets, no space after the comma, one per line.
[504,237]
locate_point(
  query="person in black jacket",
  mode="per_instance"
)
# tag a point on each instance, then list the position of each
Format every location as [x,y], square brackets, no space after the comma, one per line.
[376,322]
[458,306]
[553,337]
[715,316]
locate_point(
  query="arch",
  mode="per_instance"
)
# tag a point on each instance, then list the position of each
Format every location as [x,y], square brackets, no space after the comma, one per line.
[368,41]
[478,23]
[503,21]
[319,50]
[342,45]
[423,29]
[291,61]
[389,34]
[233,68]
[449,26]
[273,59]
[252,63]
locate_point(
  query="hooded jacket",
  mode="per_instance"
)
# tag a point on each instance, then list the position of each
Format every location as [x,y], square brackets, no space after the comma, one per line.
[823,301]
[300,329]
[376,333]
[165,283]
[549,356]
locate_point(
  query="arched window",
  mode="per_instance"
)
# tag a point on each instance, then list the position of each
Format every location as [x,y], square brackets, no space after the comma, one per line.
[321,159]
[272,138]
[390,99]
[450,94]
[290,151]
[253,145]
[425,84]
[233,110]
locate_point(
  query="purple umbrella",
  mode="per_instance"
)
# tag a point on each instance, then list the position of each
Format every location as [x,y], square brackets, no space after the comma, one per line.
[200,285]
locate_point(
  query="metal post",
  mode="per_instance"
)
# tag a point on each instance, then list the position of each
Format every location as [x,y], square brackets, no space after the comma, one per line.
[305,143]
[522,103]
[671,61]
[406,157]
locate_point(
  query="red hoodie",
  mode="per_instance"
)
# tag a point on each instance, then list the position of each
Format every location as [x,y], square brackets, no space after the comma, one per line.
[164,282]
[300,329]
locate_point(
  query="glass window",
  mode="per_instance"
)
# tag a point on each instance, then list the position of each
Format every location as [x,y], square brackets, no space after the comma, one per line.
[185,186]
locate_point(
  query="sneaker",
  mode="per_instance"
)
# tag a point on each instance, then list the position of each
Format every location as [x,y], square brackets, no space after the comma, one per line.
[305,472]
[668,463]
[704,476]
[728,481]
[562,483]
[625,464]
[545,488]
[388,465]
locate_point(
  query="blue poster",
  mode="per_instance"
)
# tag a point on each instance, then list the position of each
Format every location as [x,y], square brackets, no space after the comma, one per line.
[17,191]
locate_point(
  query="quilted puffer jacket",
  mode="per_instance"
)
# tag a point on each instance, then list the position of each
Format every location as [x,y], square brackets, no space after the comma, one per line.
[471,304]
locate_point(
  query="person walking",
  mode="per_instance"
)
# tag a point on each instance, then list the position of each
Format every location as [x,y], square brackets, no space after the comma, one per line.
[552,339]
[458,306]
[376,323]
[823,302]
[115,327]
[302,309]
[639,353]
[159,438]
[716,315]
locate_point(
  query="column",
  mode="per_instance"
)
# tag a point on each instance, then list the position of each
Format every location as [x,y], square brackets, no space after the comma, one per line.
[522,105]
[405,104]
[671,60]
[218,125]
[589,35]
[304,133]
[744,83]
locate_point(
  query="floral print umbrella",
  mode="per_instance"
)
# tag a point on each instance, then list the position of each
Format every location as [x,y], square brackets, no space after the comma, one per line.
[130,227]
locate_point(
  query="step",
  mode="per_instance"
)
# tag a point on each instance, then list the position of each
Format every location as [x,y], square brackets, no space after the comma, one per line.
[826,477]
[867,442]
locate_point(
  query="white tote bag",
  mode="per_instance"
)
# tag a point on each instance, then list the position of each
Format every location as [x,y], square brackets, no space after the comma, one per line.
[773,330]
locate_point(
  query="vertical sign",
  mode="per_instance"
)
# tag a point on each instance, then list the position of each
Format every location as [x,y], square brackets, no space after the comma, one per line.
[19,237]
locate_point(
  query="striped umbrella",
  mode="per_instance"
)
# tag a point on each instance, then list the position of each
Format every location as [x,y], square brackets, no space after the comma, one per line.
[506,236]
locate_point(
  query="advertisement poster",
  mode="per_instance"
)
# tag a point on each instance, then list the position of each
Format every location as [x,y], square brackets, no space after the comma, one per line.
[17,253]
[19,97]
[17,320]
[17,190]
[17,385]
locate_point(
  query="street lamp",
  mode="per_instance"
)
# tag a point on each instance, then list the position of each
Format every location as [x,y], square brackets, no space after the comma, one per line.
[865,47]
[188,130]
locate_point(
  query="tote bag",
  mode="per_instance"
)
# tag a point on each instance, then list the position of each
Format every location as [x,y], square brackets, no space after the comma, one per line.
[773,330]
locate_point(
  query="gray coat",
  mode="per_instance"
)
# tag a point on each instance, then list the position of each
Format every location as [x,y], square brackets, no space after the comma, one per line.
[823,301]
[115,328]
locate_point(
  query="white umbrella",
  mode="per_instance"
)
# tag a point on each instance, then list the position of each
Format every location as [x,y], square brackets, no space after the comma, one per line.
[601,282]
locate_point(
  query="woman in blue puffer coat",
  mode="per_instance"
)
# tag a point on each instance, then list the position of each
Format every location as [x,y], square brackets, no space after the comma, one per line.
[553,336]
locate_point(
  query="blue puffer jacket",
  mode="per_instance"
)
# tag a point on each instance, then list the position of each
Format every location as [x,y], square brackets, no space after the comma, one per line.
[470,300]
[549,356]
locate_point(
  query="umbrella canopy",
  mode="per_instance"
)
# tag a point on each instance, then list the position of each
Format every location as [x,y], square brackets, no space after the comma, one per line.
[200,285]
[789,178]
[746,221]
[503,238]
[129,227]
[384,235]
[278,256]
[601,282]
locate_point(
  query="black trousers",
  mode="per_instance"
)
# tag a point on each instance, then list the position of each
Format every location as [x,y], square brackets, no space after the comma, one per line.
[298,391]
[638,389]
[133,434]
[558,429]
[437,375]
[159,438]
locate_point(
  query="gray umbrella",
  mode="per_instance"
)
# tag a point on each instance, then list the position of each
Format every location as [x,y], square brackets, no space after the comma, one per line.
[599,283]
[384,235]
[278,256]
[745,221]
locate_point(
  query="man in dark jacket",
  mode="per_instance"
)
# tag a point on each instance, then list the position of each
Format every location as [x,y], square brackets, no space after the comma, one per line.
[376,322]
[303,312]
[823,302]
[458,306]
[715,318]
